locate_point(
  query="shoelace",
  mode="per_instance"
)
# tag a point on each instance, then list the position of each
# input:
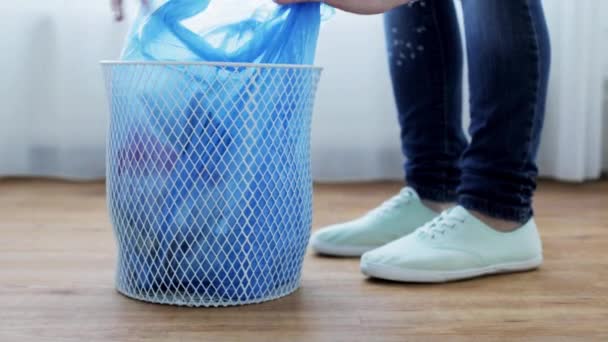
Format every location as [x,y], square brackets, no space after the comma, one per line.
[403,197]
[443,223]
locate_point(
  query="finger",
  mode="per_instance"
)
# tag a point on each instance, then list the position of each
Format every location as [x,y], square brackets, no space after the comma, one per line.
[286,2]
[117,9]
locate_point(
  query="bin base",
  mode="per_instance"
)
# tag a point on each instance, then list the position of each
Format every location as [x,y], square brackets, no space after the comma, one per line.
[197,301]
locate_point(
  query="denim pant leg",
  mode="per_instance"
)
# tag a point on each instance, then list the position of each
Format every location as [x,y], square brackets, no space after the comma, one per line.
[425,58]
[509,55]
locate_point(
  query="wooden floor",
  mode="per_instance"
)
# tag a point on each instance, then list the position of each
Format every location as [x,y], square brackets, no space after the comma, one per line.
[57,268]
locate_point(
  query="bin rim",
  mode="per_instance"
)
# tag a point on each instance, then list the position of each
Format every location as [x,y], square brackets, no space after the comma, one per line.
[213,64]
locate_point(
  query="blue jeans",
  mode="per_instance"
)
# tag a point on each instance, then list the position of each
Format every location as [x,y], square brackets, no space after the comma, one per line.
[508,55]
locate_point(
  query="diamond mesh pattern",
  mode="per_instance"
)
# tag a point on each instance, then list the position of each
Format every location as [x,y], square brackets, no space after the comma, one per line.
[209,185]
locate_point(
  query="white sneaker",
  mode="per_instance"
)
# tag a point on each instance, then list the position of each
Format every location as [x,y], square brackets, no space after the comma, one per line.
[456,245]
[395,218]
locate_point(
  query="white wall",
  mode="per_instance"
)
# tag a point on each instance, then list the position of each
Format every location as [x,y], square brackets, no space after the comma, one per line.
[355,116]
[605,157]
[54,111]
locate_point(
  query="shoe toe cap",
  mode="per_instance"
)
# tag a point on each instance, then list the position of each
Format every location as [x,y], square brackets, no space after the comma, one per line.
[420,259]
[327,235]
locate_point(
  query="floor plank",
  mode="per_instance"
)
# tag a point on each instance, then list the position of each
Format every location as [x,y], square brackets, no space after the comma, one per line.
[57,263]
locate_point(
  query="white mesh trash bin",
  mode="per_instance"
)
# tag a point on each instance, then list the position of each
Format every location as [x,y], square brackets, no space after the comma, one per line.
[208,179]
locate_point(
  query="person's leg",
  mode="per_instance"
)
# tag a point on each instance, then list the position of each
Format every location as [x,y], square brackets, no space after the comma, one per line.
[426,65]
[509,54]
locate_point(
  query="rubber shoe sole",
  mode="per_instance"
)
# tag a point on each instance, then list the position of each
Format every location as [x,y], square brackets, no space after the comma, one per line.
[421,276]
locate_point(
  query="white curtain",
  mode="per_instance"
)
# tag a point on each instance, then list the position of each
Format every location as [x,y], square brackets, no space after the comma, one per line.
[54,112]
[53,109]
[576,132]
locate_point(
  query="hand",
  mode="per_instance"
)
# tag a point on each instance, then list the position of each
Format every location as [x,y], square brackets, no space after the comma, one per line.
[118,10]
[355,6]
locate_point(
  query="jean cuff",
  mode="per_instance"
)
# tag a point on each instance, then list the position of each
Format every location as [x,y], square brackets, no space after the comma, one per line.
[496,210]
[436,194]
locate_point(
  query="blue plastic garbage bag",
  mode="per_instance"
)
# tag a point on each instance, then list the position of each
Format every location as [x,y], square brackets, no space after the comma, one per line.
[247,31]
[207,200]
